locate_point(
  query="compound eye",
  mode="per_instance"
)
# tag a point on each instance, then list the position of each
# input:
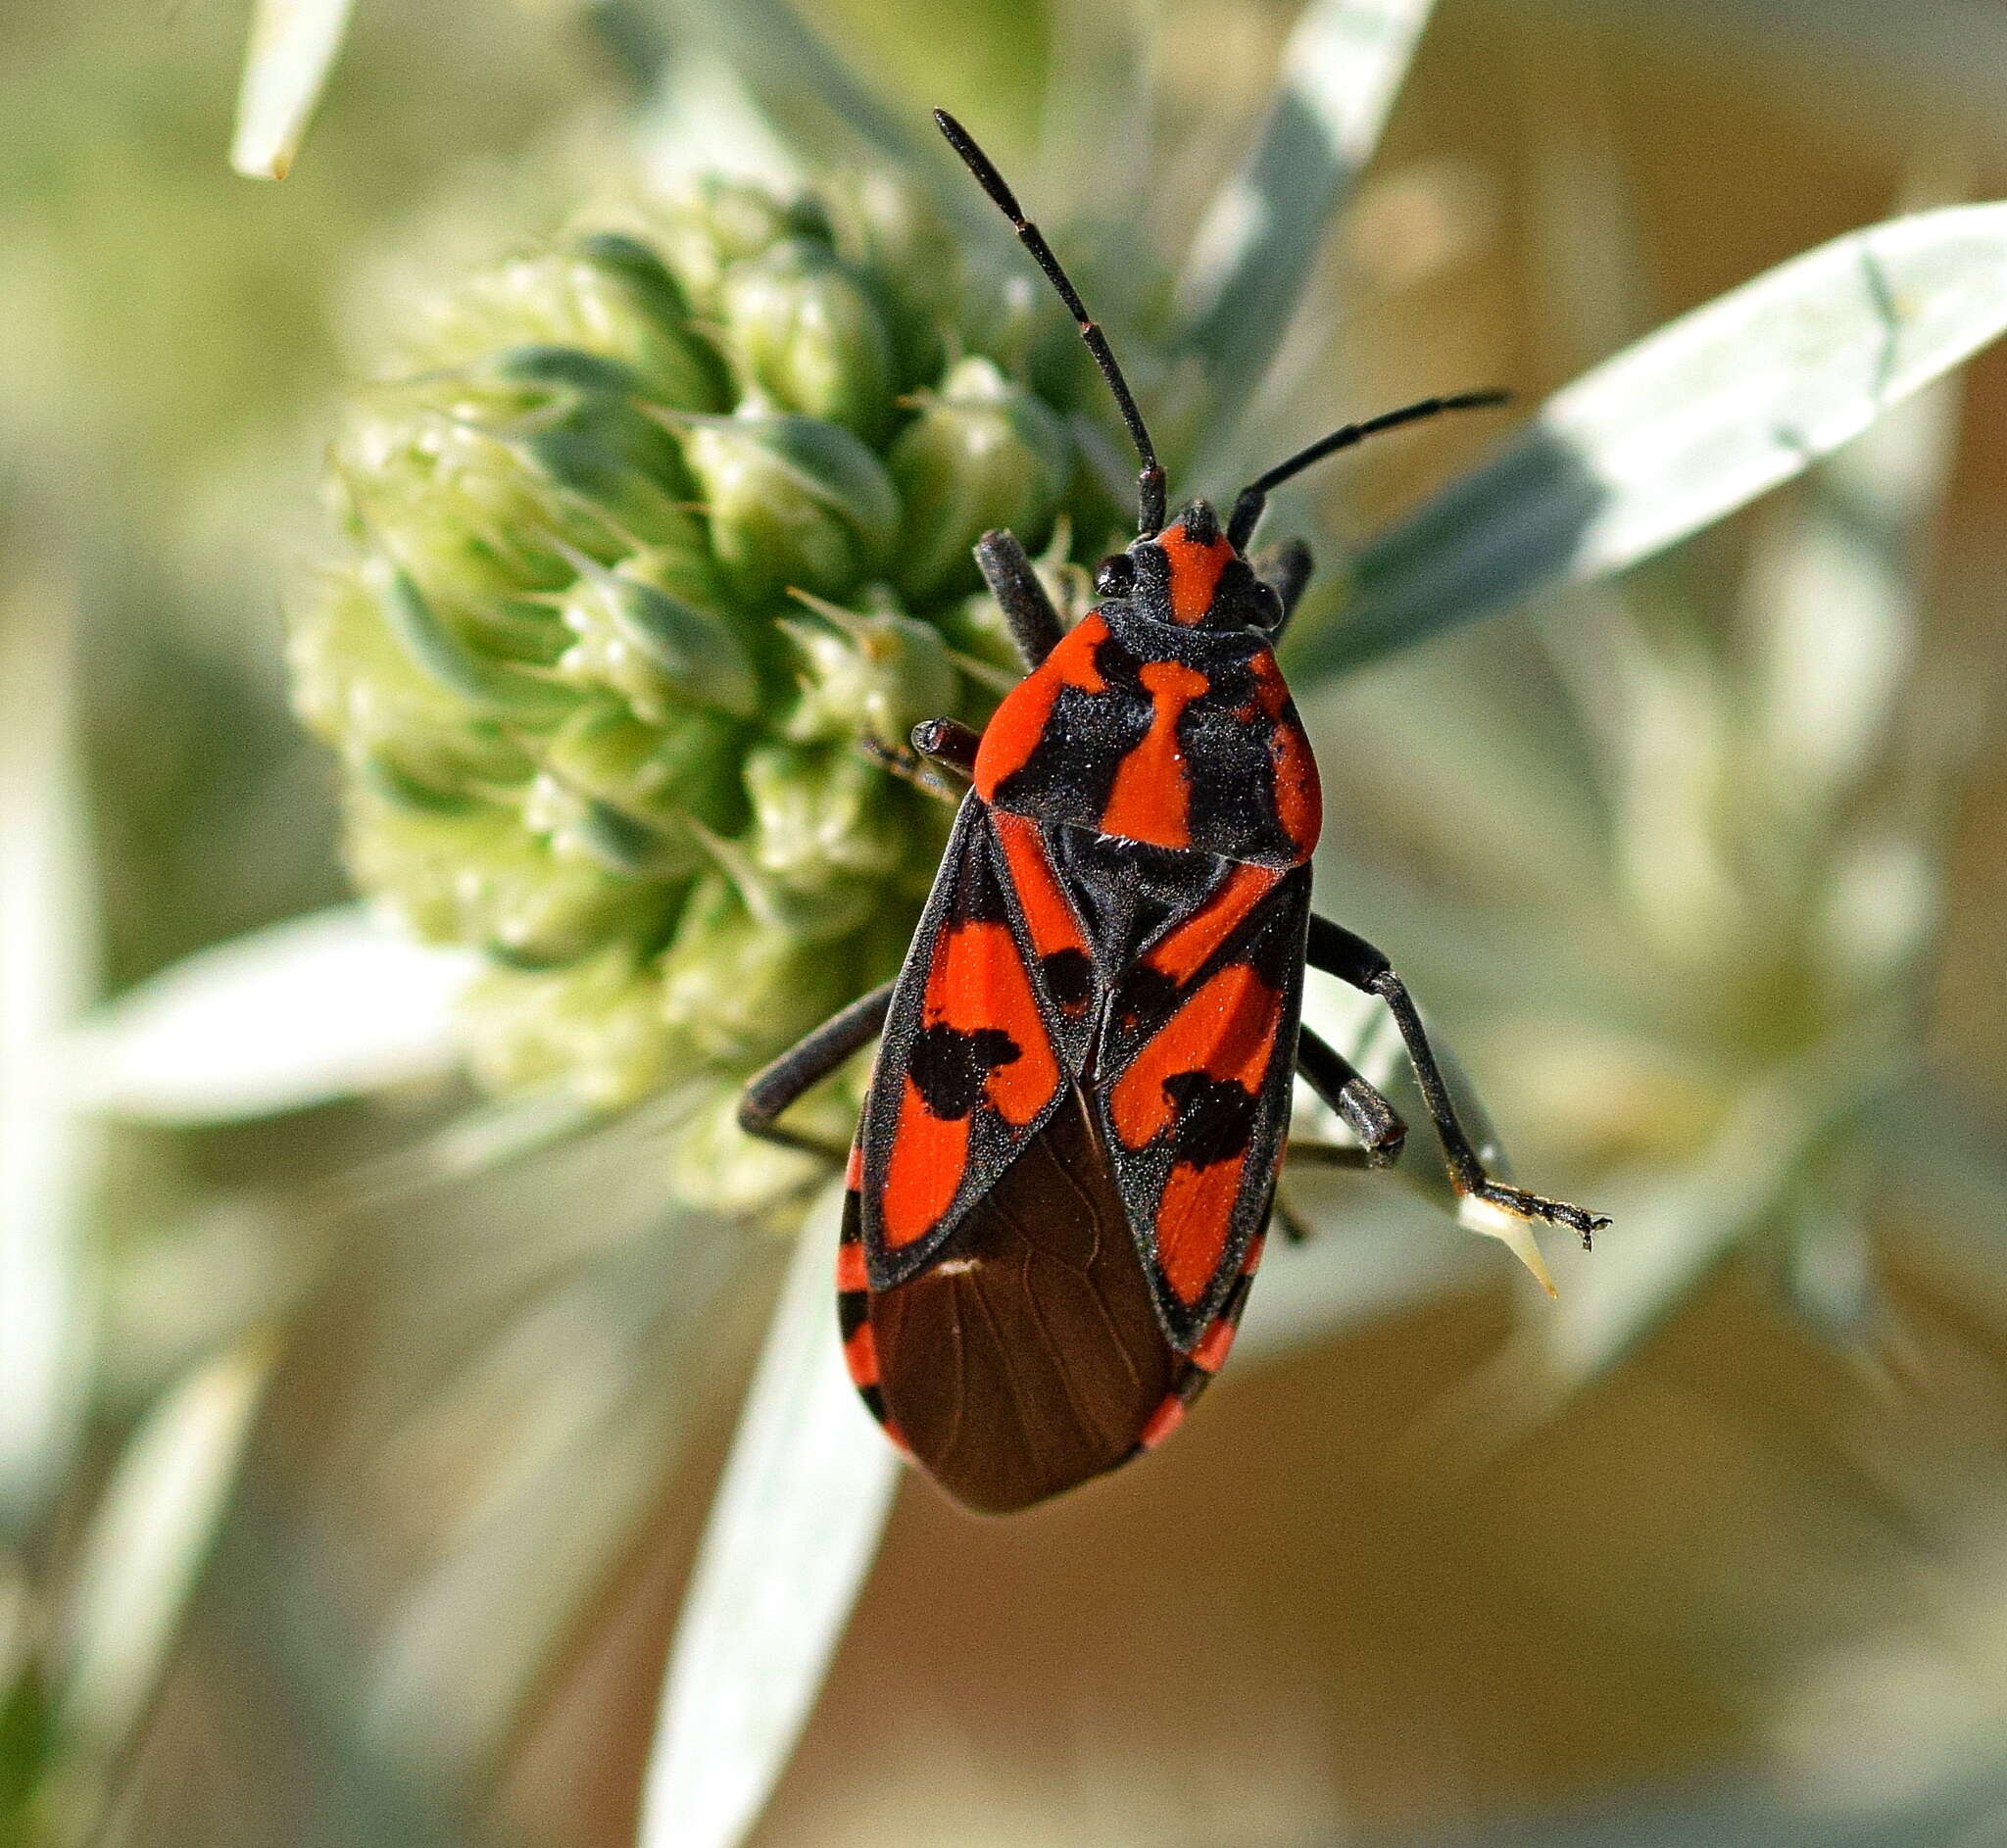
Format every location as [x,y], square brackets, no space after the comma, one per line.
[1267,606]
[1115,576]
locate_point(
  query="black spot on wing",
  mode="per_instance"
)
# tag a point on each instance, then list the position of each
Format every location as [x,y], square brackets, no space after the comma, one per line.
[947,1066]
[1215,1120]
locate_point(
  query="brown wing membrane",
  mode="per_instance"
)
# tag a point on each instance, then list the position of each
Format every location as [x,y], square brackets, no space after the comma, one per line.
[1027,1357]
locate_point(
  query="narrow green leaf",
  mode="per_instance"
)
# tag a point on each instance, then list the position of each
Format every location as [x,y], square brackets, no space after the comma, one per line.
[322,1006]
[1686,426]
[791,1536]
[1254,248]
[48,1156]
[293,47]
[146,1542]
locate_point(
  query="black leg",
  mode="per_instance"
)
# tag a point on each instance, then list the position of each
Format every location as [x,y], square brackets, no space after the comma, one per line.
[805,1063]
[1338,952]
[1286,569]
[1365,1112]
[1034,623]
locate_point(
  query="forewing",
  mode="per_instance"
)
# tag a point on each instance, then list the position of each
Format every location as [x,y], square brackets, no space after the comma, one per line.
[1193,1083]
[987,1026]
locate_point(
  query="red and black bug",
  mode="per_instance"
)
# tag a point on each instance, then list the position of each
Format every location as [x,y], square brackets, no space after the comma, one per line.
[1068,1153]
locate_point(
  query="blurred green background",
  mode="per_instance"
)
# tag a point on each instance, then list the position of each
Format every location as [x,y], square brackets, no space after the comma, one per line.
[427,1446]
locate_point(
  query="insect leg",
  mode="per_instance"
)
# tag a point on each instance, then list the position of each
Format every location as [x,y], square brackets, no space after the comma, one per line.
[1034,623]
[1338,952]
[944,741]
[1365,1112]
[1286,569]
[948,740]
[806,1063]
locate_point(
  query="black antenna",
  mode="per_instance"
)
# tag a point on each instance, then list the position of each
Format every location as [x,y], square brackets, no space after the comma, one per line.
[1254,498]
[1149,479]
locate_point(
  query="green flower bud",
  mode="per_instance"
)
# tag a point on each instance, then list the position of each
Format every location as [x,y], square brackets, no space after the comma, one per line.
[580,825]
[743,989]
[718,1168]
[635,311]
[481,877]
[893,235]
[723,221]
[870,677]
[357,685]
[822,815]
[809,334]
[452,502]
[596,1026]
[982,453]
[652,645]
[606,295]
[792,501]
[682,766]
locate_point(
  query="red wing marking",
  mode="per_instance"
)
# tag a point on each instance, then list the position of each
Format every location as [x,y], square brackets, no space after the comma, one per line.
[1152,800]
[1192,1221]
[849,1267]
[928,1157]
[1214,1344]
[1226,1032]
[861,1357]
[979,986]
[1182,952]
[1195,572]
[1162,1422]
[1015,728]
[982,1043]
[854,1169]
[1048,914]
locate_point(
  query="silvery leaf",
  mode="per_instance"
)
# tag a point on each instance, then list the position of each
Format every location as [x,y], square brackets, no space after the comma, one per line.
[791,1536]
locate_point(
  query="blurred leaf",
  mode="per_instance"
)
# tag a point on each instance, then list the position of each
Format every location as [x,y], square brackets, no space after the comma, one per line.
[1672,1228]
[791,1536]
[321,1007]
[789,66]
[1964,1811]
[1829,1255]
[147,1541]
[1832,594]
[1254,248]
[293,47]
[1686,426]
[48,1157]
[569,1389]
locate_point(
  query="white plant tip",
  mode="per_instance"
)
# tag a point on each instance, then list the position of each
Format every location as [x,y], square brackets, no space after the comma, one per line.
[1510,1230]
[292,49]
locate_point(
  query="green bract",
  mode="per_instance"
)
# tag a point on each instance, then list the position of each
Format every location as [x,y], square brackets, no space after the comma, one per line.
[655,532]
